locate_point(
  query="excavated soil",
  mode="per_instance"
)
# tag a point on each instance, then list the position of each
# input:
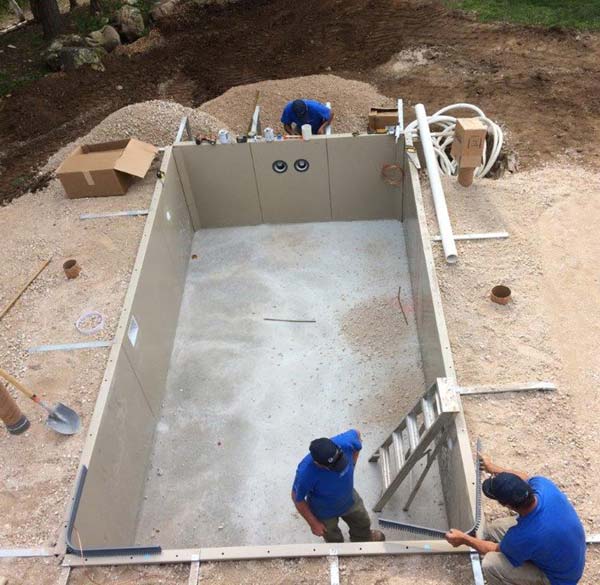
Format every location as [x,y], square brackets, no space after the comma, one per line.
[544,85]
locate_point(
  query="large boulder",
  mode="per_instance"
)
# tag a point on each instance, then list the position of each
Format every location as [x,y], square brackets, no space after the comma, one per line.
[64,55]
[130,22]
[107,38]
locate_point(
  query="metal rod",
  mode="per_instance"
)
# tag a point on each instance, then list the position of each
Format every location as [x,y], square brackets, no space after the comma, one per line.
[70,346]
[401,307]
[255,122]
[437,191]
[334,567]
[328,127]
[400,125]
[194,572]
[537,386]
[593,538]
[65,573]
[477,569]
[133,212]
[15,553]
[290,320]
[184,126]
[482,236]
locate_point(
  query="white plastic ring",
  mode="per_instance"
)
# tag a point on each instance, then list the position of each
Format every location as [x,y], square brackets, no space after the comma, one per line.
[87,315]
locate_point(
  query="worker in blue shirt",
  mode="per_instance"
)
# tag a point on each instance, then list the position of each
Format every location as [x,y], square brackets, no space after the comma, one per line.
[543,545]
[323,490]
[300,112]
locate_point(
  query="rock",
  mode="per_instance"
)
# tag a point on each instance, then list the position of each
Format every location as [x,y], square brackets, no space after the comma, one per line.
[130,22]
[163,9]
[70,40]
[94,39]
[107,38]
[67,58]
[111,38]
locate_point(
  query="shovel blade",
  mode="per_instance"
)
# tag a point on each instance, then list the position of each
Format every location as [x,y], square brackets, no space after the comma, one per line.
[63,420]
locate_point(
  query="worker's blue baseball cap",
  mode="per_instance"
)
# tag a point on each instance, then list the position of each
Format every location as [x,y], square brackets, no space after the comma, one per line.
[300,109]
[507,488]
[325,452]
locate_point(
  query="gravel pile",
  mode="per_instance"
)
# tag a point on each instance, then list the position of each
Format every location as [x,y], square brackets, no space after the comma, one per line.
[350,100]
[154,121]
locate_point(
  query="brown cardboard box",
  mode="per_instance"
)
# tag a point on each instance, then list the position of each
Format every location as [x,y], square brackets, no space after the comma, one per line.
[100,170]
[469,139]
[381,118]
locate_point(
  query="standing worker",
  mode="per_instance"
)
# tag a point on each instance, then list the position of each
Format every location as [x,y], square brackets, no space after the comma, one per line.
[323,490]
[544,545]
[300,112]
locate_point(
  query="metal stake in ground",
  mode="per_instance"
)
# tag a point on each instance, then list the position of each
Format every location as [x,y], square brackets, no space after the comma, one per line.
[61,418]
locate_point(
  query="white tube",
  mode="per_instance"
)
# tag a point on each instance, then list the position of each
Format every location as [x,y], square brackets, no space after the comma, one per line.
[439,201]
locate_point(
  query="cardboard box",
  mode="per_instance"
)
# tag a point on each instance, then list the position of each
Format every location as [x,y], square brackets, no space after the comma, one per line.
[381,118]
[469,140]
[101,170]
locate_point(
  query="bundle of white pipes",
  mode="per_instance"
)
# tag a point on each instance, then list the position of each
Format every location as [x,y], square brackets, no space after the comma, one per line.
[435,147]
[442,135]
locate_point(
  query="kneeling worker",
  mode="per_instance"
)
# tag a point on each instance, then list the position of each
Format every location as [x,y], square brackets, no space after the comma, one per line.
[300,112]
[323,490]
[544,545]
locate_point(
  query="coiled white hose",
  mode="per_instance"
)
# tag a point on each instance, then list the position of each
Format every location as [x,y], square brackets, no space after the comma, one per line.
[443,136]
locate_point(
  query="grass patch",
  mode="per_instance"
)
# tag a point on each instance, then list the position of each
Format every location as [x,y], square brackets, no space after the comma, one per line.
[577,14]
[9,83]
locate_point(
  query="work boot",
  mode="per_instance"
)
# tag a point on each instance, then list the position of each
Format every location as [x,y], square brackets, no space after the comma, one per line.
[377,536]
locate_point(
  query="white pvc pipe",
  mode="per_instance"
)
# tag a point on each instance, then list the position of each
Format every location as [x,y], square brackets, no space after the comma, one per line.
[439,201]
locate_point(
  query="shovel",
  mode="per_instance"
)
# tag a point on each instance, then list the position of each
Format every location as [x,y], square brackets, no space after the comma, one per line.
[61,418]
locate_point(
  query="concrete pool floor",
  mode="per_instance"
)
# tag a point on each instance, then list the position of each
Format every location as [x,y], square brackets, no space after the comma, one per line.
[245,396]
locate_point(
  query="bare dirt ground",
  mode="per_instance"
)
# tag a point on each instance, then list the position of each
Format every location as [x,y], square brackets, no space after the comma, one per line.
[544,85]
[550,330]
[548,261]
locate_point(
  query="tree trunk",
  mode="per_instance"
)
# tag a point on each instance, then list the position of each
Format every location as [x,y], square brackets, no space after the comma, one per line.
[47,13]
[72,4]
[35,10]
[95,7]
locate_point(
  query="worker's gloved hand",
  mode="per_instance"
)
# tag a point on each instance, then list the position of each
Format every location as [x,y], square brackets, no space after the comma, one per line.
[455,537]
[318,529]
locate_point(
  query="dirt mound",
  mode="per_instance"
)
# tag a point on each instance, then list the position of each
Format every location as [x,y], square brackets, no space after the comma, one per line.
[349,99]
[154,121]
[537,82]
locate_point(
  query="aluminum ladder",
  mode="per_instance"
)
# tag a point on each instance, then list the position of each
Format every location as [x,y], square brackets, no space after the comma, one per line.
[409,441]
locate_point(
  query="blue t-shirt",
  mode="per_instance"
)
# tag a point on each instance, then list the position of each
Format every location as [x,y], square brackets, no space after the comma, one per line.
[315,116]
[551,536]
[328,493]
